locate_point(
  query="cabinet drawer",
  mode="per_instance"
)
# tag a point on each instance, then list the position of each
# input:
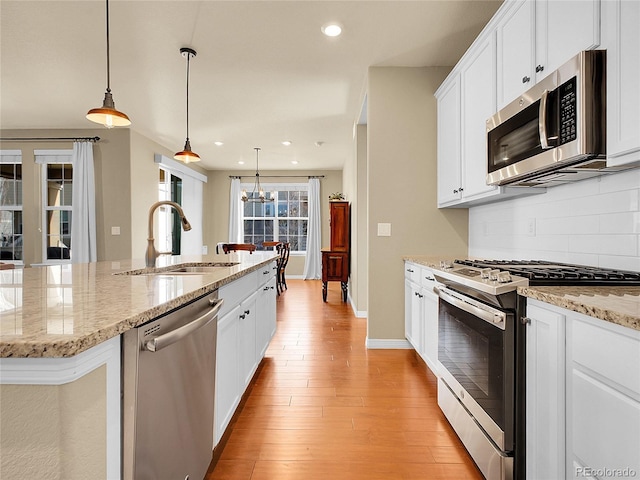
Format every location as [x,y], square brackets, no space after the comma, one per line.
[233,293]
[610,352]
[412,272]
[427,280]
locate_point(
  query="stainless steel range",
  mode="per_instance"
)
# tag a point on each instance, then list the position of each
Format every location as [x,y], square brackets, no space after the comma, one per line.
[481,346]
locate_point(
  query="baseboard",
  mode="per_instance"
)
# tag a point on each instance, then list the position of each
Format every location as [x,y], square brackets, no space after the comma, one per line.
[388,344]
[357,313]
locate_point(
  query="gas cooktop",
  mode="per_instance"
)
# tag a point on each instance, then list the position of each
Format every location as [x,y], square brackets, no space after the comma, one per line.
[540,272]
[497,277]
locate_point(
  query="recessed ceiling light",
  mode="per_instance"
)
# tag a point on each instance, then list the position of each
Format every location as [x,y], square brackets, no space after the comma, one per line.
[218,144]
[241,162]
[295,162]
[331,29]
[286,143]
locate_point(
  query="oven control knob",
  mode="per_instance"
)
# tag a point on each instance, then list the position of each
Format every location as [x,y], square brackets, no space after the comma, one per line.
[493,275]
[484,273]
[504,277]
[446,264]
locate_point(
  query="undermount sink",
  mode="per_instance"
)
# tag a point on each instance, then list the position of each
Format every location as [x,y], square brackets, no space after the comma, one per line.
[182,269]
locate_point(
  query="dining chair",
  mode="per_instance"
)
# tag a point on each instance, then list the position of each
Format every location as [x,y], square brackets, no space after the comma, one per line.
[283,259]
[234,247]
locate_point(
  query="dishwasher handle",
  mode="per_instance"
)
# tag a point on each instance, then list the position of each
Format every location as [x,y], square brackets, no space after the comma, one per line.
[158,343]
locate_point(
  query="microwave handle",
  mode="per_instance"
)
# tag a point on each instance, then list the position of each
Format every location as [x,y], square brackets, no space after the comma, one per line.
[542,121]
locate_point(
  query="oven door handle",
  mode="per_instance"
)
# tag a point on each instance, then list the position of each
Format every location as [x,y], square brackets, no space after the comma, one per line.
[542,121]
[480,310]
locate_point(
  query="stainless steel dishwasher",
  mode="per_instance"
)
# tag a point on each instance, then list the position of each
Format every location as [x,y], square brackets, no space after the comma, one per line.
[168,393]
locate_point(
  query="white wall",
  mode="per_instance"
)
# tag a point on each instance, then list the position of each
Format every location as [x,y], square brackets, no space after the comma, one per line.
[593,222]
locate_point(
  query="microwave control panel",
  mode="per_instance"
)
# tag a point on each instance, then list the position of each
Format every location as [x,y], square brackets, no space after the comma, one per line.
[568,111]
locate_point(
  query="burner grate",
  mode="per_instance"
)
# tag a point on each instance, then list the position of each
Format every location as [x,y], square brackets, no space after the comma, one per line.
[542,272]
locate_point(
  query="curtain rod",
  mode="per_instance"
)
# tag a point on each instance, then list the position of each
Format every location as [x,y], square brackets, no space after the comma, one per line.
[48,139]
[277,176]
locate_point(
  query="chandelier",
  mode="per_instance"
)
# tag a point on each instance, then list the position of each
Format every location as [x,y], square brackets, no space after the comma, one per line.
[258,194]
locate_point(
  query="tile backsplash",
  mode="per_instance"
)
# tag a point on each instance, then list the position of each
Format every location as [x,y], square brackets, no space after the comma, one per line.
[592,222]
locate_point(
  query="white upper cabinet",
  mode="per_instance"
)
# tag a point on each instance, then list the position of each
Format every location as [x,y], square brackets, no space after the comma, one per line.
[564,28]
[621,38]
[536,37]
[516,50]
[449,142]
[478,94]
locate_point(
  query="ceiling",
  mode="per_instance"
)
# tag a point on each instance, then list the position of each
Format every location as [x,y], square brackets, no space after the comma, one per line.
[264,72]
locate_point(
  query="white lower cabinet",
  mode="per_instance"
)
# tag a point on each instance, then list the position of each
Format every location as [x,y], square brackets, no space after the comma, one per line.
[421,313]
[245,329]
[545,394]
[583,396]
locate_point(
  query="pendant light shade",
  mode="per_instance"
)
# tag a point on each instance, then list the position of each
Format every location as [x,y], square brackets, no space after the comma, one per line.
[258,193]
[187,155]
[107,115]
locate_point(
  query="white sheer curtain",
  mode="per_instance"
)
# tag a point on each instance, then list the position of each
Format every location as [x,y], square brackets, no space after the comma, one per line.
[313,261]
[235,210]
[83,213]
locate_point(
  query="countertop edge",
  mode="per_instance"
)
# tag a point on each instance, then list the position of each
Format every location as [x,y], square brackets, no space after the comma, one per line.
[589,308]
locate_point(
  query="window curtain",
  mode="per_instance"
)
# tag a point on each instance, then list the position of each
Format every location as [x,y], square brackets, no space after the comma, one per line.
[235,217]
[313,260]
[83,213]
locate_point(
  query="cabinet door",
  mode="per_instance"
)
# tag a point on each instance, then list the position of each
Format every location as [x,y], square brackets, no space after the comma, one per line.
[430,330]
[563,29]
[413,305]
[339,226]
[266,311]
[621,33]
[603,396]
[449,181]
[227,371]
[247,330]
[545,378]
[478,100]
[334,266]
[516,45]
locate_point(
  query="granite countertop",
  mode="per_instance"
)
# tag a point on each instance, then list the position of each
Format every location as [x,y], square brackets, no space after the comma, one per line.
[62,310]
[620,305]
[432,261]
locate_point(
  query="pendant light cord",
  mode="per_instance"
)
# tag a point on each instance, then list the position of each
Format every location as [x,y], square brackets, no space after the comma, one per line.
[108,66]
[188,60]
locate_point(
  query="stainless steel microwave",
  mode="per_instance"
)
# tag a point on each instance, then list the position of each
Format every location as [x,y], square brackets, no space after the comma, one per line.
[556,131]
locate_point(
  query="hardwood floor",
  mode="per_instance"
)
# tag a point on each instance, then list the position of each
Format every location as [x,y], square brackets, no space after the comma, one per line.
[322,406]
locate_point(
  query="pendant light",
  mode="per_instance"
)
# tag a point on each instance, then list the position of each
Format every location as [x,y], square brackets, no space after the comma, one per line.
[107,115]
[186,155]
[257,188]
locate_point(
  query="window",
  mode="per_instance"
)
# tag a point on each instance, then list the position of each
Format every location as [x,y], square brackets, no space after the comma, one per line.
[11,205]
[283,220]
[57,192]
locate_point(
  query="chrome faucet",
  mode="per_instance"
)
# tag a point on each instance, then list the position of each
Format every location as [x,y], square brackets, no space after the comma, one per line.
[152,254]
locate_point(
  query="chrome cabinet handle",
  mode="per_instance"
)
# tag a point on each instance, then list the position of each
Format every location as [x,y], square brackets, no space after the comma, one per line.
[461,189]
[455,191]
[409,270]
[247,312]
[539,68]
[525,321]
[162,341]
[526,79]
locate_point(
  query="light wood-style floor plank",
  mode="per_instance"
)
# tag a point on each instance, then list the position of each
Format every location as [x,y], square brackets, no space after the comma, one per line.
[323,406]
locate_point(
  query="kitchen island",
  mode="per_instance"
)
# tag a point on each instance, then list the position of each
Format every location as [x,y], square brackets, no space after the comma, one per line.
[60,329]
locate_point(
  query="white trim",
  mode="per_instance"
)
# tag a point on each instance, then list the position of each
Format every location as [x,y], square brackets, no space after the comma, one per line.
[176,166]
[58,371]
[387,344]
[11,156]
[52,156]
